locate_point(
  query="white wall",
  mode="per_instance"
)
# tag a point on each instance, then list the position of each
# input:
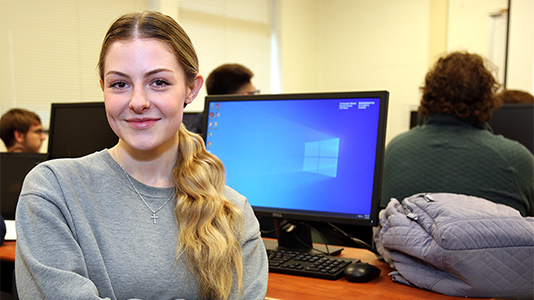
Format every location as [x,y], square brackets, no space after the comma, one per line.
[471,28]
[356,45]
[521,46]
[341,45]
[352,45]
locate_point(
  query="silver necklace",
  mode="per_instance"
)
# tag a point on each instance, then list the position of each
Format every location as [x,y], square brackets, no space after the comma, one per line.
[154,217]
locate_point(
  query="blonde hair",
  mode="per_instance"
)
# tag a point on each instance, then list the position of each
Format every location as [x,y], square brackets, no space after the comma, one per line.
[210,226]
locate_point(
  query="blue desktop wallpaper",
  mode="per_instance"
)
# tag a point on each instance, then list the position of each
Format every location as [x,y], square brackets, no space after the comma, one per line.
[312,155]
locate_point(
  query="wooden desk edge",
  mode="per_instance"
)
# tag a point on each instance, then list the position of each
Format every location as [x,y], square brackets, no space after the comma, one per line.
[7,251]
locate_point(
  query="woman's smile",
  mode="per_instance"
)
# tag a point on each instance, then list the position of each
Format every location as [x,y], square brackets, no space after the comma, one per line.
[141,123]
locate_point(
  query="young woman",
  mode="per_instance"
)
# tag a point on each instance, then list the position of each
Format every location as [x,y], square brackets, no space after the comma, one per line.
[150,218]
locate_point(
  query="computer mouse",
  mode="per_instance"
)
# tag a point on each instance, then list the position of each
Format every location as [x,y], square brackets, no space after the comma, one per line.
[361,272]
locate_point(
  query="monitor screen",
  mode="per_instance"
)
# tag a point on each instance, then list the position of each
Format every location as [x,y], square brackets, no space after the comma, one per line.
[310,157]
[78,129]
[13,170]
[516,122]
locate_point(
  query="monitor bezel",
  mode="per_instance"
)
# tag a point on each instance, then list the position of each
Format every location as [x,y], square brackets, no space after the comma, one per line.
[315,216]
[51,131]
[510,116]
[14,166]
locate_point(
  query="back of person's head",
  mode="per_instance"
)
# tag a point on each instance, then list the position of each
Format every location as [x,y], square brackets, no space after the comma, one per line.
[153,25]
[16,119]
[514,96]
[228,79]
[460,84]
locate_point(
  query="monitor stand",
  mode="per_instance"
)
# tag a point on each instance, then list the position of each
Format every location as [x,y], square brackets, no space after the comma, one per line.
[297,238]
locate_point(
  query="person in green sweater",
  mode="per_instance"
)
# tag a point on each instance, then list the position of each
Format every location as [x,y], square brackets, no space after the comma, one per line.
[454,150]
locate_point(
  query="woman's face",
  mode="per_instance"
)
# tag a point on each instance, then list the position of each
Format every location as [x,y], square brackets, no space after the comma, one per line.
[144,92]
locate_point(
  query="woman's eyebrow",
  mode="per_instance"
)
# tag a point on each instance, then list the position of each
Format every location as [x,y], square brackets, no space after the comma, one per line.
[155,71]
[113,72]
[148,74]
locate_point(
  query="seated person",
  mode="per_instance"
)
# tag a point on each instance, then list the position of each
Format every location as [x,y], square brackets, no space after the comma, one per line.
[3,230]
[151,217]
[454,150]
[230,79]
[21,131]
[514,96]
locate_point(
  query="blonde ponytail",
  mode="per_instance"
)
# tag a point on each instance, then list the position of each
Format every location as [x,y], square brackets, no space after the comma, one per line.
[210,225]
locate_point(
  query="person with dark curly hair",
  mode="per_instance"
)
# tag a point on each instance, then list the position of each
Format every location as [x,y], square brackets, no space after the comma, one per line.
[454,150]
[514,96]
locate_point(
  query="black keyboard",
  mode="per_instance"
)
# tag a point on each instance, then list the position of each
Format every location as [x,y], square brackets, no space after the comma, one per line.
[306,264]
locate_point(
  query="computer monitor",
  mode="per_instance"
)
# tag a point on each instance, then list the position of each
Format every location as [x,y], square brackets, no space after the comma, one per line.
[13,170]
[415,120]
[193,121]
[516,122]
[302,157]
[78,129]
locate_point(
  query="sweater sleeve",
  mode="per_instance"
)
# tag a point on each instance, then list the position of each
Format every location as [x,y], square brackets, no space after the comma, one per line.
[255,265]
[49,261]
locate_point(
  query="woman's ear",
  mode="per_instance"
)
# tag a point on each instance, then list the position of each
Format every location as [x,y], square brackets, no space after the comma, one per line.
[102,85]
[194,89]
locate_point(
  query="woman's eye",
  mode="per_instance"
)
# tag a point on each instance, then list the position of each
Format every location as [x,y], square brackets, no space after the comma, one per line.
[118,84]
[160,83]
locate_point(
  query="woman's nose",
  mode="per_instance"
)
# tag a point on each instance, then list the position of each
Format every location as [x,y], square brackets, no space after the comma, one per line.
[139,101]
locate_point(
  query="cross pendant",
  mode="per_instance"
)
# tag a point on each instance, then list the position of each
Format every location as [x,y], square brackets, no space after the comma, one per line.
[154,217]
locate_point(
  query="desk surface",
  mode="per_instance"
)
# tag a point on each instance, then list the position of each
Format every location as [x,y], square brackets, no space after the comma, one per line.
[7,251]
[282,286]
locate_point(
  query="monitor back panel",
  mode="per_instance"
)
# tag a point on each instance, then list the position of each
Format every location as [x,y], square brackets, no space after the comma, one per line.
[13,170]
[516,122]
[78,129]
[193,122]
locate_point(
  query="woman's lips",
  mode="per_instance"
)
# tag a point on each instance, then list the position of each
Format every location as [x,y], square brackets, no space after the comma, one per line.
[141,123]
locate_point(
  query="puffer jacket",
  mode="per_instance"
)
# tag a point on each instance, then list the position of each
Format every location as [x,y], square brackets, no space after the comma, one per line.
[458,245]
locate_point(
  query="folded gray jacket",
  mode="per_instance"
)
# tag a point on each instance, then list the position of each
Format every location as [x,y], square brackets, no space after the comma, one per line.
[458,245]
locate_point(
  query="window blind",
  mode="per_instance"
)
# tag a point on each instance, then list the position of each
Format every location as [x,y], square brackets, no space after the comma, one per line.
[49,50]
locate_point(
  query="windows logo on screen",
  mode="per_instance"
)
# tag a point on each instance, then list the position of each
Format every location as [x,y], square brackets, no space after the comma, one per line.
[321,157]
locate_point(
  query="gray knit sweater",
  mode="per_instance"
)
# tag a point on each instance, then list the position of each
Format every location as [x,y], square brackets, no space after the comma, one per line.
[84,233]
